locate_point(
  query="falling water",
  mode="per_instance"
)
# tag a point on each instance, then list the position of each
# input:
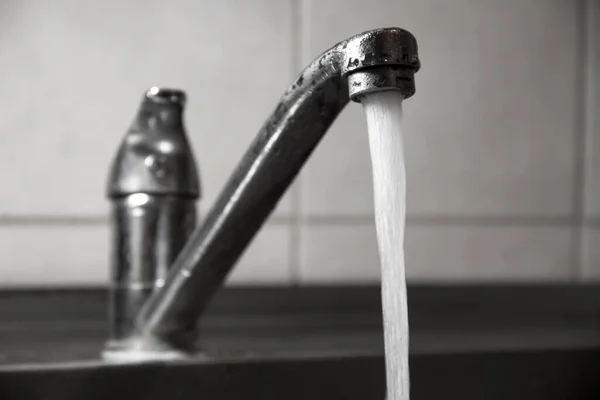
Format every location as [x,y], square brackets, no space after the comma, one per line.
[384,120]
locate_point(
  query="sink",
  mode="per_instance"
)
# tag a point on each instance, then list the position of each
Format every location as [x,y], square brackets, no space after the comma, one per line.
[524,375]
[316,343]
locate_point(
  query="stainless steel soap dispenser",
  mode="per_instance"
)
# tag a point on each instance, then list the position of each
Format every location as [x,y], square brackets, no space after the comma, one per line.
[153,187]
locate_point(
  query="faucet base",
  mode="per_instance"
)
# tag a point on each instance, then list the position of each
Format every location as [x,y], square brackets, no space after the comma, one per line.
[140,349]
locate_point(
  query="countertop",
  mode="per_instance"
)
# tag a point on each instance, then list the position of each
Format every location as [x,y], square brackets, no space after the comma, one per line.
[55,326]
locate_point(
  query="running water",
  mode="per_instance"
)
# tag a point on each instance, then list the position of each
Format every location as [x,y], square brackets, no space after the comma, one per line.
[384,120]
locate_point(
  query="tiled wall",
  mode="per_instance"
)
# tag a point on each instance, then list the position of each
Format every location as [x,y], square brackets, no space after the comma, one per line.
[503,135]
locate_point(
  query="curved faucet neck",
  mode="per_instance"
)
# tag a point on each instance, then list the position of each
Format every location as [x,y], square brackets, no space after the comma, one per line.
[284,143]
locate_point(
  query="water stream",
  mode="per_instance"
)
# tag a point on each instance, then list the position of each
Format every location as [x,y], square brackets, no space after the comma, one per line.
[384,120]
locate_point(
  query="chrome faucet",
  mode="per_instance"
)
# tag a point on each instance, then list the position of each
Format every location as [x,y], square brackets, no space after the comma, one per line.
[374,61]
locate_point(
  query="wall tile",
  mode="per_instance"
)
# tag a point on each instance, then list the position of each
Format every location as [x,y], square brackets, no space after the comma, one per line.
[54,255]
[338,254]
[74,72]
[590,270]
[348,253]
[592,125]
[78,255]
[490,130]
[267,259]
[490,253]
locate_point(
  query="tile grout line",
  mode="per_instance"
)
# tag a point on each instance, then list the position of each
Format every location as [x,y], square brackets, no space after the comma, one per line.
[340,220]
[296,189]
[448,220]
[592,223]
[581,151]
[49,220]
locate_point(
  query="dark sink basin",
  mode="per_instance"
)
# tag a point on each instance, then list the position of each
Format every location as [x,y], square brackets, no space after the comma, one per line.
[530,375]
[321,343]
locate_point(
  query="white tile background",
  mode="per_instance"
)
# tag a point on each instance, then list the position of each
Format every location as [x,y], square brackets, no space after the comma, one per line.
[591,222]
[506,107]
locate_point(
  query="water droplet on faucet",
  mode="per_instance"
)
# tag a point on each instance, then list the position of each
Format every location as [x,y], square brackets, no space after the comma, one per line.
[157,165]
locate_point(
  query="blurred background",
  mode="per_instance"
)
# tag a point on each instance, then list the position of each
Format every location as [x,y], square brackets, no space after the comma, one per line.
[502,136]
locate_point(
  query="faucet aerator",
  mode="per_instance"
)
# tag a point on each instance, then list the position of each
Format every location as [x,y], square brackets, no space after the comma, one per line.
[381,59]
[377,79]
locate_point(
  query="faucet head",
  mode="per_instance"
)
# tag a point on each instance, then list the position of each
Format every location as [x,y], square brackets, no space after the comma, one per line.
[378,60]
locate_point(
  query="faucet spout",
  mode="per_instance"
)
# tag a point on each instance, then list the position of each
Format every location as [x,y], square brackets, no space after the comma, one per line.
[382,59]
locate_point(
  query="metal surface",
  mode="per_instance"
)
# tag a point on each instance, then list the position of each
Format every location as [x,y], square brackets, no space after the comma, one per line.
[316,343]
[538,375]
[155,156]
[284,143]
[153,188]
[70,325]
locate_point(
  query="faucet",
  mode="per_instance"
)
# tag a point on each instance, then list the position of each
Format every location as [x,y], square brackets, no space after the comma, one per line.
[371,62]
